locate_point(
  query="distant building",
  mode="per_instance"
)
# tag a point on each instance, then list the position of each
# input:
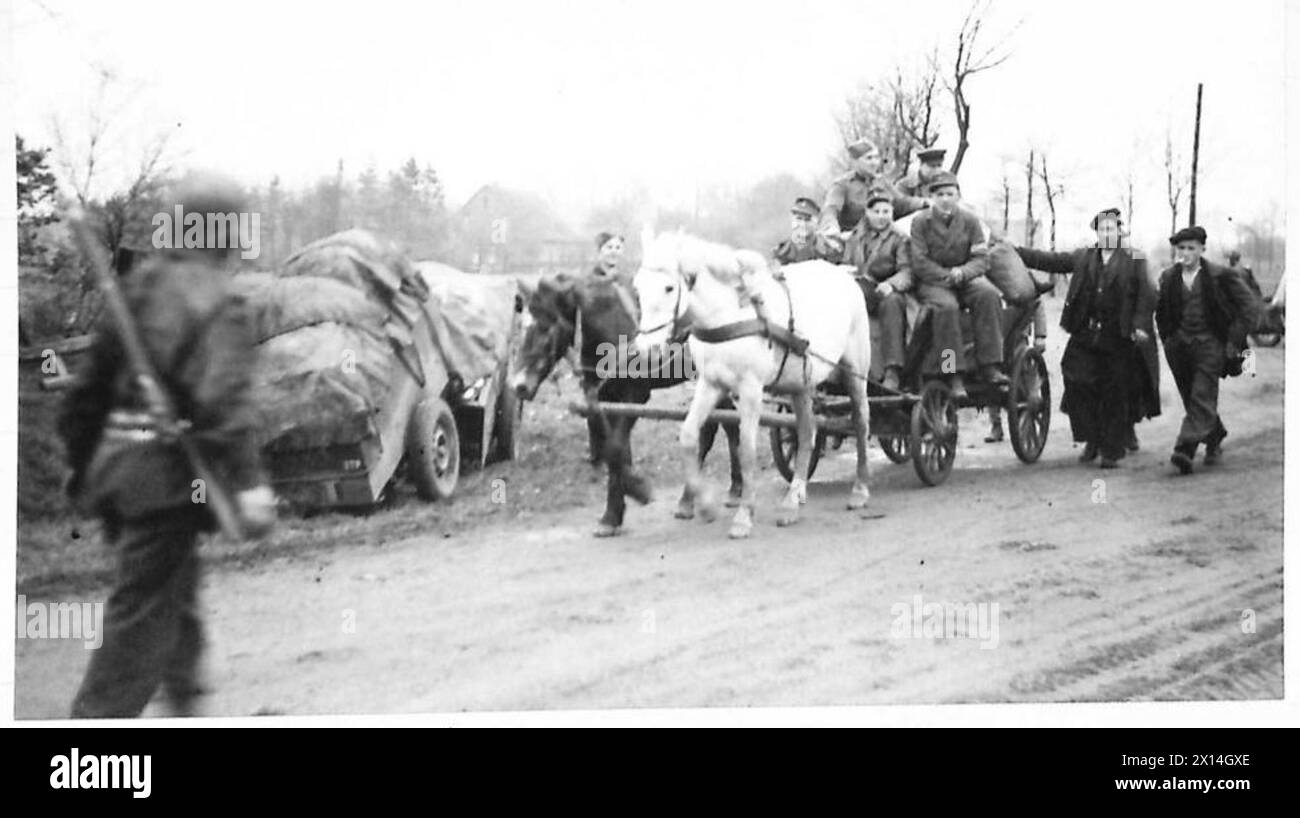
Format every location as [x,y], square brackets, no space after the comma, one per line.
[500,230]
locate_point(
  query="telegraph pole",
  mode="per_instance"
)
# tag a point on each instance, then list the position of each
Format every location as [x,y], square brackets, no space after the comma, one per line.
[1196,155]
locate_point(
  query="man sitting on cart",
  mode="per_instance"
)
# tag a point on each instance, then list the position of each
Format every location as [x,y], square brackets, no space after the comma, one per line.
[949,260]
[883,259]
[805,243]
[846,200]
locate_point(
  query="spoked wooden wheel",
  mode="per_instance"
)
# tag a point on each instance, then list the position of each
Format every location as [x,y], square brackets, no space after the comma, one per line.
[934,433]
[1029,405]
[785,447]
[898,448]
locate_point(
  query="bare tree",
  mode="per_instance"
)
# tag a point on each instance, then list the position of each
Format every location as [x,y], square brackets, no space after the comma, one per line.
[1176,181]
[1129,198]
[1031,225]
[1052,191]
[1006,202]
[119,215]
[897,113]
[914,103]
[972,57]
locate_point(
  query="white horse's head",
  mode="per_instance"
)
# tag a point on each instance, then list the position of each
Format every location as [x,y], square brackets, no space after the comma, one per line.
[683,279]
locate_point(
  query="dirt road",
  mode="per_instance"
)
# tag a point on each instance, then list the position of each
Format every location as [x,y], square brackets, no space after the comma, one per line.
[1126,585]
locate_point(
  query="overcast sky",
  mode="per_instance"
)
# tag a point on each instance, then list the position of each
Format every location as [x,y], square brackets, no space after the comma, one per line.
[580,100]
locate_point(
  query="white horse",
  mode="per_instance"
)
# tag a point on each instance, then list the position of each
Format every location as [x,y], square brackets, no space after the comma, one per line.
[683,279]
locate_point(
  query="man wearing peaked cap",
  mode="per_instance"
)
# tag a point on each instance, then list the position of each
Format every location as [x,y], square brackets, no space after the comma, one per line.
[929,164]
[1203,314]
[846,200]
[804,243]
[950,257]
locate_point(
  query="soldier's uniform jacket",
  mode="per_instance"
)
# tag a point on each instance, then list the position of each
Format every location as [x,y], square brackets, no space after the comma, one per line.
[941,243]
[846,201]
[910,185]
[199,336]
[883,256]
[817,247]
[1231,309]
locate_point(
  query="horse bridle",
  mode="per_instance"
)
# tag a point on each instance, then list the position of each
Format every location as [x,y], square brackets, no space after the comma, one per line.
[673,322]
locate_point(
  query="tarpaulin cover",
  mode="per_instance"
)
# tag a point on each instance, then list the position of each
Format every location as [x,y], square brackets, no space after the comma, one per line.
[330,324]
[472,317]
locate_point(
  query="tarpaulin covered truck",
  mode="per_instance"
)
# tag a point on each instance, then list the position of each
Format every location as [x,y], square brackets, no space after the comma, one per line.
[372,369]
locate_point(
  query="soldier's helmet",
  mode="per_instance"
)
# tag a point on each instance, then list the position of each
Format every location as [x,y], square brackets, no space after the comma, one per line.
[210,194]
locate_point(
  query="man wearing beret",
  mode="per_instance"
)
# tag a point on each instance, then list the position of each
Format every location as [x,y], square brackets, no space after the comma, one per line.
[929,164]
[949,260]
[883,259]
[1203,313]
[846,201]
[805,244]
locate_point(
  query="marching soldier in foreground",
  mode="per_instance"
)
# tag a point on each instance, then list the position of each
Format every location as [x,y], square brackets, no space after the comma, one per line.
[1203,314]
[805,243]
[129,471]
[949,260]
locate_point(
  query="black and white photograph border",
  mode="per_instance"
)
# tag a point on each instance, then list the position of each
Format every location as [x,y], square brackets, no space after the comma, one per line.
[371,363]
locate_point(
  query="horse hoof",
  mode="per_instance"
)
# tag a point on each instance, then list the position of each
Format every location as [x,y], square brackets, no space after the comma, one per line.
[787,520]
[858,502]
[639,490]
[606,530]
[708,513]
[739,531]
[684,511]
[733,501]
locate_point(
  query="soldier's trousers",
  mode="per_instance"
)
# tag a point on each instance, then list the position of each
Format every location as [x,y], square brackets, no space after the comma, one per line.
[153,635]
[1196,364]
[891,313]
[985,304]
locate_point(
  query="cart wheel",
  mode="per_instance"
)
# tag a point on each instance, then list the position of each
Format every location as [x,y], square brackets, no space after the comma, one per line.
[1029,405]
[509,409]
[934,433]
[897,448]
[785,446]
[433,449]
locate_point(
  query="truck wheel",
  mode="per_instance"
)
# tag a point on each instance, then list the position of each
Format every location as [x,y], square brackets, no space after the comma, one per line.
[508,410]
[433,449]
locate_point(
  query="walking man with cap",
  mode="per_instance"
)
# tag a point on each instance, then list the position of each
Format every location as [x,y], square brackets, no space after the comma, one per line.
[1203,314]
[805,244]
[846,200]
[949,260]
[127,470]
[929,164]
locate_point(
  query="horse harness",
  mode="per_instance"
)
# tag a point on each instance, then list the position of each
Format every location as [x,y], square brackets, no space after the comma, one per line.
[785,337]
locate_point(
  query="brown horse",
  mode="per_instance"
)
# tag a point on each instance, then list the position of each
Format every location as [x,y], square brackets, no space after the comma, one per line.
[608,321]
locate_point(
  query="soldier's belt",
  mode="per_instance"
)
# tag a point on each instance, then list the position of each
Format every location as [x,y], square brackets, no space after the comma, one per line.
[131,427]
